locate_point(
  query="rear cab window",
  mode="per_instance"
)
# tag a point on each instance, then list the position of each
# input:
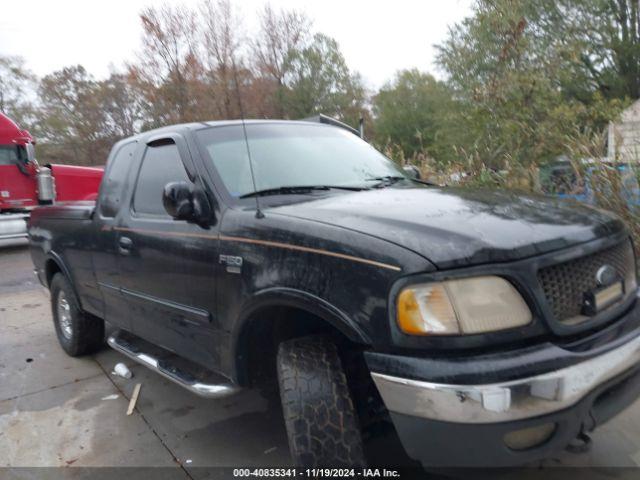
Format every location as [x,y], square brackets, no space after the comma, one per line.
[112,190]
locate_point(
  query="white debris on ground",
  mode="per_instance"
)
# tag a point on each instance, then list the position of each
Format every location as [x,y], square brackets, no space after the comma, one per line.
[122,370]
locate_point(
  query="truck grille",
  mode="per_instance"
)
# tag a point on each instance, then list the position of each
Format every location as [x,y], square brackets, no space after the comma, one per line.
[565,284]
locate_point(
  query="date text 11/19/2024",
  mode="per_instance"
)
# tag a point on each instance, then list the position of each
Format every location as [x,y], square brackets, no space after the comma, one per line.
[316,472]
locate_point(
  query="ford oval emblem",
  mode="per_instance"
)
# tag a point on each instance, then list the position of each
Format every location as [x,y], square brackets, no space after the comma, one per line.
[606,275]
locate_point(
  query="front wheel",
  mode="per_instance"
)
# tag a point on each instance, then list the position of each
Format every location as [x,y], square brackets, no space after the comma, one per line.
[320,418]
[78,332]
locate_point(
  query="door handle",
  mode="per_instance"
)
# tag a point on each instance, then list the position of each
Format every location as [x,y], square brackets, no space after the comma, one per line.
[124,245]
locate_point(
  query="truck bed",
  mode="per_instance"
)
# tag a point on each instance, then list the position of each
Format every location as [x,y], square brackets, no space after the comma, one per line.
[65,230]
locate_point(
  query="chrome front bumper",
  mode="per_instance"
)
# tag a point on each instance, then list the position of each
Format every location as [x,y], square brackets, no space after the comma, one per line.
[514,400]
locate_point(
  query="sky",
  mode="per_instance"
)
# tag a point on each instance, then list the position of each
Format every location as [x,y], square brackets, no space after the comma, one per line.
[377,37]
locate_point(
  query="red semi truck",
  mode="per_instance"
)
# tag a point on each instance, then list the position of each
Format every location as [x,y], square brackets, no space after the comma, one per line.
[24,184]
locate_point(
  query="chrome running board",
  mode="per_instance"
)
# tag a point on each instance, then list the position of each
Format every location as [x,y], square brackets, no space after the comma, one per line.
[209,384]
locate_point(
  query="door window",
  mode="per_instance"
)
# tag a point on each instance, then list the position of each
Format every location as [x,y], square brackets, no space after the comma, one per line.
[160,166]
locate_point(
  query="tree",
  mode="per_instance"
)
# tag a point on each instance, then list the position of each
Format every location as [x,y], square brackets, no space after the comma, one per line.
[600,40]
[282,34]
[319,81]
[411,112]
[73,121]
[17,84]
[221,40]
[168,70]
[510,76]
[589,46]
[194,64]
[122,105]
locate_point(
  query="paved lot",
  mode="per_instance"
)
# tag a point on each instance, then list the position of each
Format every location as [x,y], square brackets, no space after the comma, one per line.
[59,411]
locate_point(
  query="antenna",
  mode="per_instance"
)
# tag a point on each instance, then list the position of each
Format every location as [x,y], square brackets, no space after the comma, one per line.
[259,213]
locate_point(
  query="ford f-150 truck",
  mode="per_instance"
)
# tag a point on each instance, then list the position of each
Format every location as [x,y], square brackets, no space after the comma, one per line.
[490,328]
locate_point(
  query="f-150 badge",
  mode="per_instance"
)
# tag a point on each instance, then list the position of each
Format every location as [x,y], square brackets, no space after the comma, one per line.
[234,264]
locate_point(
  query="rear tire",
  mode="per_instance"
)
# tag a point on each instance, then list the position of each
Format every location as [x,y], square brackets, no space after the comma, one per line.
[320,418]
[78,332]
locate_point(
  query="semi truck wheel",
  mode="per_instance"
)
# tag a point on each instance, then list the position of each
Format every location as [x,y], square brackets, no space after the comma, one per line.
[319,415]
[78,332]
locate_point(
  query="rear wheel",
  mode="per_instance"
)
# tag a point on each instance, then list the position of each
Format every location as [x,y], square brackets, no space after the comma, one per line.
[78,332]
[320,418]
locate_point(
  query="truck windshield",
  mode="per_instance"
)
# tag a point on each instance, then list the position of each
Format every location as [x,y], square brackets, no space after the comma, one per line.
[8,155]
[293,155]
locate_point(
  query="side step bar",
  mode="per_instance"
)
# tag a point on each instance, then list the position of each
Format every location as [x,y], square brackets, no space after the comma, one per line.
[126,344]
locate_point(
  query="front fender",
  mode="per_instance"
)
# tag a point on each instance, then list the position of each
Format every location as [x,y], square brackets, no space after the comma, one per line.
[291,297]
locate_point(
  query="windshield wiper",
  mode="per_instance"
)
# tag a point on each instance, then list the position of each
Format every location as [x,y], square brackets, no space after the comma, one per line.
[390,180]
[386,180]
[299,190]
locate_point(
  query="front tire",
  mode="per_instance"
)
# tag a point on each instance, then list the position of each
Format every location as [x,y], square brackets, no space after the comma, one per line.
[320,418]
[78,332]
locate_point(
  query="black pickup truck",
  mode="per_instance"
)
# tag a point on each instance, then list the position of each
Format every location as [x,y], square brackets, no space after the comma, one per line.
[490,328]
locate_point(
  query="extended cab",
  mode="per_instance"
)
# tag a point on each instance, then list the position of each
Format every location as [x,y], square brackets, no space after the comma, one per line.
[490,328]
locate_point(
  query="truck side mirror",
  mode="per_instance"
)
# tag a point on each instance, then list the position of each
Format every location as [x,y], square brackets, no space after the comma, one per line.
[183,201]
[176,199]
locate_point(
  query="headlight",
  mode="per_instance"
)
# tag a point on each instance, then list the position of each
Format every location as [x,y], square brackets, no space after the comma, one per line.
[458,307]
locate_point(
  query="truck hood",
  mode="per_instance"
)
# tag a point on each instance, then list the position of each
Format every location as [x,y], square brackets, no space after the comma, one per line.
[454,227]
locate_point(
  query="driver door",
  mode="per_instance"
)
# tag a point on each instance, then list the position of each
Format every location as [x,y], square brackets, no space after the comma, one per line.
[167,273]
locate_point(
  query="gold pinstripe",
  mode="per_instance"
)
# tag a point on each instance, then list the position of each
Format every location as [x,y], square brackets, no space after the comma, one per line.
[266,243]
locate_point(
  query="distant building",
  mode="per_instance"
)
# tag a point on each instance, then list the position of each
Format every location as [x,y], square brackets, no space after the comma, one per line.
[623,141]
